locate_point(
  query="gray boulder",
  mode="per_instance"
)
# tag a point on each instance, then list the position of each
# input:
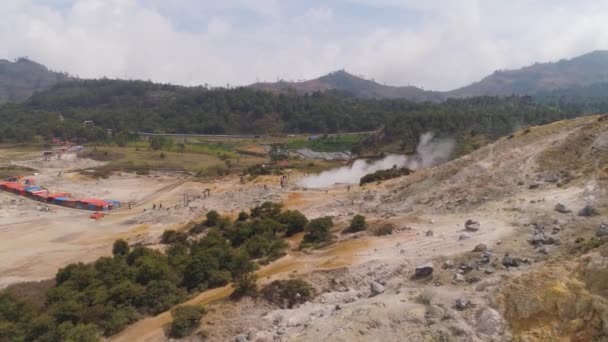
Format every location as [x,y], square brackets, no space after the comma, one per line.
[424,270]
[480,248]
[486,257]
[462,303]
[489,322]
[602,230]
[588,211]
[376,288]
[472,226]
[560,208]
[430,233]
[463,237]
[509,261]
[241,338]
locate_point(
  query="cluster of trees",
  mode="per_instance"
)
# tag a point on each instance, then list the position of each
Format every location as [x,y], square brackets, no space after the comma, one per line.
[101,298]
[126,106]
[381,175]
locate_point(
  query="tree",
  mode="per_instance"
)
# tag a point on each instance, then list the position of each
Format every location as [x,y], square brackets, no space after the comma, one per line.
[120,248]
[245,285]
[77,333]
[318,230]
[357,224]
[267,210]
[186,319]
[294,220]
[243,216]
[289,292]
[213,218]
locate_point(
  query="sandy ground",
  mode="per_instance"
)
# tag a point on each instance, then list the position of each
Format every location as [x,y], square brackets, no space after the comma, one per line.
[502,186]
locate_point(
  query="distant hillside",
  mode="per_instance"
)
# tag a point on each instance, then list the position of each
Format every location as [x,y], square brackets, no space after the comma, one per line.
[582,71]
[22,78]
[356,86]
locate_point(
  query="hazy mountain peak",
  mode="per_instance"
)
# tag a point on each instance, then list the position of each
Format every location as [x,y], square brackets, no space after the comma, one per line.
[23,77]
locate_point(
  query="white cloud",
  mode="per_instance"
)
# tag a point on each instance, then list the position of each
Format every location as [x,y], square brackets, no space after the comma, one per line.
[452,43]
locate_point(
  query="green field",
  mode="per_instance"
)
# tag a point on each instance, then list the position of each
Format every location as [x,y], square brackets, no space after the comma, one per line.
[331,143]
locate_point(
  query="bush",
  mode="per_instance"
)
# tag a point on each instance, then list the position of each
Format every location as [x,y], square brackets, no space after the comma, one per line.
[385,229]
[120,247]
[246,285]
[318,231]
[267,210]
[186,319]
[213,218]
[385,174]
[287,293]
[243,216]
[294,220]
[171,236]
[357,224]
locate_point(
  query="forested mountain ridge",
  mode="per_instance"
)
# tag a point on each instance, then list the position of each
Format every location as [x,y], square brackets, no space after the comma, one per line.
[351,84]
[582,71]
[23,77]
[125,106]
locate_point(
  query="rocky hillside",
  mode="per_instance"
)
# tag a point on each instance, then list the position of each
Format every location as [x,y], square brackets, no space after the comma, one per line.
[508,243]
[23,77]
[582,71]
[356,86]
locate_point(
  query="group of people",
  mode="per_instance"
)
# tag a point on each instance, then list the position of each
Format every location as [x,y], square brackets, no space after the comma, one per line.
[160,205]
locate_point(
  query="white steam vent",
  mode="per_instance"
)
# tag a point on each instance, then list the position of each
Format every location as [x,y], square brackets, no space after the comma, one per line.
[429,152]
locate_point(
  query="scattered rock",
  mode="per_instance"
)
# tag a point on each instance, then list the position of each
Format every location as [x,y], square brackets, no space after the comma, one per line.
[434,313]
[489,270]
[462,303]
[533,186]
[448,264]
[424,270]
[241,338]
[471,225]
[473,279]
[376,288]
[588,211]
[551,179]
[468,266]
[602,230]
[480,248]
[458,278]
[509,261]
[463,237]
[560,208]
[486,257]
[430,233]
[264,336]
[489,322]
[540,238]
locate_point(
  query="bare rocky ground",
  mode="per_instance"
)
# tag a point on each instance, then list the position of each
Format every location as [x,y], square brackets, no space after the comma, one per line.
[527,269]
[521,272]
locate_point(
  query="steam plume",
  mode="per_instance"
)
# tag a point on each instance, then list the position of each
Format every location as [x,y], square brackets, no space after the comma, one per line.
[429,152]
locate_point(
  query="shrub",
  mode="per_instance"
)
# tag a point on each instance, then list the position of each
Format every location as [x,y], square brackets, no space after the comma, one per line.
[357,224]
[385,229]
[213,218]
[120,247]
[171,236]
[267,210]
[186,319]
[243,216]
[294,220]
[287,293]
[245,285]
[318,230]
[385,174]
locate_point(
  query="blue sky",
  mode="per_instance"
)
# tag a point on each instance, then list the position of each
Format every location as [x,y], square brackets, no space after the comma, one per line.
[434,44]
